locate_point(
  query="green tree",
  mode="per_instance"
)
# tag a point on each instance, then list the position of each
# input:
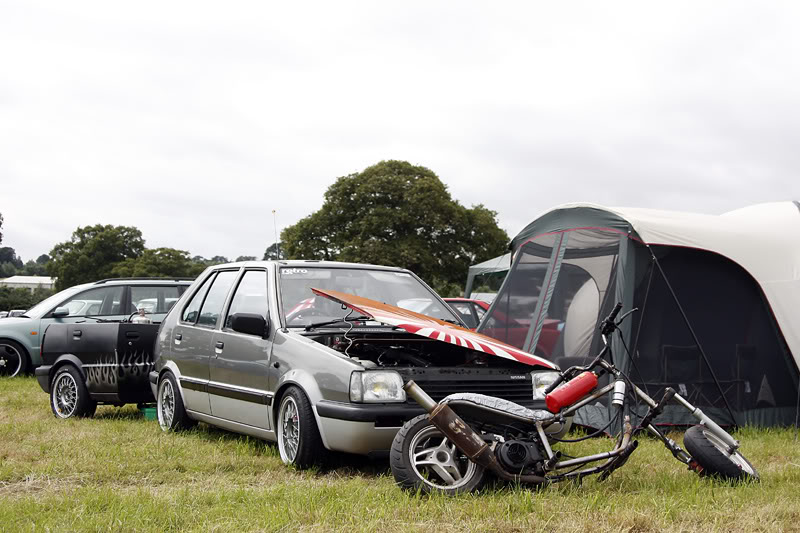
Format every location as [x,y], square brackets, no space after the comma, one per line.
[92,253]
[246,258]
[158,263]
[21,298]
[274,251]
[9,255]
[32,268]
[395,213]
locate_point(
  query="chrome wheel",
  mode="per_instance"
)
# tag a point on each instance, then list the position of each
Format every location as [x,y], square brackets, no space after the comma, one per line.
[288,430]
[735,457]
[10,360]
[166,404]
[438,462]
[65,395]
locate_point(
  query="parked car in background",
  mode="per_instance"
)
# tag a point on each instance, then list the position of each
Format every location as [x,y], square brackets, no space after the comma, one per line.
[16,312]
[105,300]
[3,314]
[314,355]
[469,310]
[89,363]
[472,311]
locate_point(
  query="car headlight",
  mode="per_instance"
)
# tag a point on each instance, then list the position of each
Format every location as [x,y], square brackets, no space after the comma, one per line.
[542,380]
[376,387]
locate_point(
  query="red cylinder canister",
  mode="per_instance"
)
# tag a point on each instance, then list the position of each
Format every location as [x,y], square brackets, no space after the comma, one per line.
[571,392]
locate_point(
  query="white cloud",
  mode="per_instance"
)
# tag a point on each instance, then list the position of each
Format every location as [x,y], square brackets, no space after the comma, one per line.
[192,121]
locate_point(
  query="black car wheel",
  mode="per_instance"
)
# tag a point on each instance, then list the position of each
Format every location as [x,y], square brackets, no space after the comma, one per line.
[299,442]
[13,359]
[172,414]
[68,394]
[422,458]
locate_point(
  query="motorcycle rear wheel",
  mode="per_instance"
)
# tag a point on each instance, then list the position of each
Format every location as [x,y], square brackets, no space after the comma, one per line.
[715,458]
[423,459]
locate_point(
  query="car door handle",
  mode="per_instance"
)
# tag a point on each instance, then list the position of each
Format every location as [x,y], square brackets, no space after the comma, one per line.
[131,335]
[77,333]
[220,345]
[178,336]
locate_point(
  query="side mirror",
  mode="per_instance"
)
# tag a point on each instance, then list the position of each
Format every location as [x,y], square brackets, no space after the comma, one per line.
[60,312]
[249,323]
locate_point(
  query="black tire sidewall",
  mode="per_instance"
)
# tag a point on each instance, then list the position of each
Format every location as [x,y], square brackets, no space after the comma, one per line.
[310,449]
[714,462]
[406,475]
[84,405]
[25,359]
[180,418]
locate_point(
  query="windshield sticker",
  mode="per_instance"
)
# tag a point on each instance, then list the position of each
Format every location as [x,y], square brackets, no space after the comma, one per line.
[305,273]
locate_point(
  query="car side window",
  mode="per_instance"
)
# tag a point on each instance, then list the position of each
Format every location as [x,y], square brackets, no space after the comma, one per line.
[479,311]
[212,306]
[153,299]
[102,301]
[250,296]
[192,309]
[464,310]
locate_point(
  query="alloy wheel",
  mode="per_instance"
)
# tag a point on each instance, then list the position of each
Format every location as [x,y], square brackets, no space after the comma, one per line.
[10,361]
[65,395]
[289,430]
[438,462]
[735,457]
[166,404]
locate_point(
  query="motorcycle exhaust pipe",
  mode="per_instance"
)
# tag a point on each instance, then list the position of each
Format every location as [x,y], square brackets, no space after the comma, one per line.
[463,436]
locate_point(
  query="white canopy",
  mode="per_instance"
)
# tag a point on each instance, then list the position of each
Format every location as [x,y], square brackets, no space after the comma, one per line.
[764,239]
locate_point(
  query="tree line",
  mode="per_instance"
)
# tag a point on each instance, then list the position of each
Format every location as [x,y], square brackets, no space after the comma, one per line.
[392,213]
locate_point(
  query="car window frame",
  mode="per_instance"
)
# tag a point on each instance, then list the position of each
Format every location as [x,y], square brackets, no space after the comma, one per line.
[77,296]
[194,293]
[178,286]
[225,302]
[232,295]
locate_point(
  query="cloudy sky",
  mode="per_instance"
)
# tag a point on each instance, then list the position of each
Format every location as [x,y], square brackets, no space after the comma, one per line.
[193,121]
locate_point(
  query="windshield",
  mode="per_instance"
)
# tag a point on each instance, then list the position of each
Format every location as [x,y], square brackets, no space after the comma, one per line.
[301,307]
[45,305]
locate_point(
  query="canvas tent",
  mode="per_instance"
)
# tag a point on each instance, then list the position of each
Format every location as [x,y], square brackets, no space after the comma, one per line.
[718,299]
[487,275]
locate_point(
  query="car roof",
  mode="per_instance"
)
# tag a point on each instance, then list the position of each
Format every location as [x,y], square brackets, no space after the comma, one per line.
[312,263]
[142,281]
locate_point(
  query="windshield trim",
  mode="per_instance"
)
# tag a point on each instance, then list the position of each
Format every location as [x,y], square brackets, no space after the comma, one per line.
[373,268]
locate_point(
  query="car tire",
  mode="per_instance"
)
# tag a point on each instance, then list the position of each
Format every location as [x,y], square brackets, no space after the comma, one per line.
[442,469]
[299,441]
[13,359]
[69,396]
[717,461]
[171,412]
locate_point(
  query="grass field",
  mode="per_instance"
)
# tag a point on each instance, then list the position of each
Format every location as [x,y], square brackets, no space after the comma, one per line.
[120,472]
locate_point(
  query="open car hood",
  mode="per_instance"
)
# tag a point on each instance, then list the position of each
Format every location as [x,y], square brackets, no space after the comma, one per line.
[433,328]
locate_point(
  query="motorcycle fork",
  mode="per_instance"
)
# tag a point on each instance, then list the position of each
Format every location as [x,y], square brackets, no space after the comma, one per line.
[671,445]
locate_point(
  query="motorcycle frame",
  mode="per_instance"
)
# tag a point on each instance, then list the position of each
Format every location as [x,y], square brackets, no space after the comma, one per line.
[624,447]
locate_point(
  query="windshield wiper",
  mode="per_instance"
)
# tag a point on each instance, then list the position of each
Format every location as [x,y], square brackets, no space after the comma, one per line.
[345,320]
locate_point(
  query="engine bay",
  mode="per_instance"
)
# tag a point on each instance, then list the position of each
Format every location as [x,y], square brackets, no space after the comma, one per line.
[387,347]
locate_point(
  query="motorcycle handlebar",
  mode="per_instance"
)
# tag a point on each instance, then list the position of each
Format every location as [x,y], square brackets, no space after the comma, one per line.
[614,312]
[559,380]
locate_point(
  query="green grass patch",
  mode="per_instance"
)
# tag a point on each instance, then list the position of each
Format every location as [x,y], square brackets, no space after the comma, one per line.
[120,472]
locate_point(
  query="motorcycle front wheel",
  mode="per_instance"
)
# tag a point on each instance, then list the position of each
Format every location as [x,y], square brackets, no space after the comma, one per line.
[423,459]
[713,455]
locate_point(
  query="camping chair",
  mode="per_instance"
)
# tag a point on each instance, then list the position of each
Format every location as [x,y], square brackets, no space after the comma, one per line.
[684,367]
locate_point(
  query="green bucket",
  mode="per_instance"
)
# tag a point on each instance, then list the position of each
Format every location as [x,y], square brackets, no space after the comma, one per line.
[149,413]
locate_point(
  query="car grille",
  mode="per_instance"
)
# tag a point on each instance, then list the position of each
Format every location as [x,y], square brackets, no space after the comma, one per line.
[501,385]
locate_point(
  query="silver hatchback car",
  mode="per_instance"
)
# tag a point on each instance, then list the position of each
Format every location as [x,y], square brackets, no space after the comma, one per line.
[295,352]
